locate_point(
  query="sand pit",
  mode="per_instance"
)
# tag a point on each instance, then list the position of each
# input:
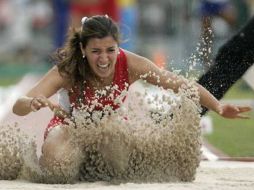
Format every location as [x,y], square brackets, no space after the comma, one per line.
[210,175]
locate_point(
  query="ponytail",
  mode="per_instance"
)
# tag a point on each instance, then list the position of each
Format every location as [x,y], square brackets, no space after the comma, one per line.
[70,62]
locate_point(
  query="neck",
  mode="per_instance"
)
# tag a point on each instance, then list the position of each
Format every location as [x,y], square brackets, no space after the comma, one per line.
[100,83]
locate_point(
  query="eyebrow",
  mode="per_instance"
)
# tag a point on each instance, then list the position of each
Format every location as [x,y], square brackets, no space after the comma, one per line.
[100,48]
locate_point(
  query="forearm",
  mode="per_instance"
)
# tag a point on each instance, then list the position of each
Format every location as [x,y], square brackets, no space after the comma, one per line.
[208,100]
[22,106]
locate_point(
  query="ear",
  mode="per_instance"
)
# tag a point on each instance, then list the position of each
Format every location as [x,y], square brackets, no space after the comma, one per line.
[82,49]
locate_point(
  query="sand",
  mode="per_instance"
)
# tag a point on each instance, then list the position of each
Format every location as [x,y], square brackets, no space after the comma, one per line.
[136,153]
[210,175]
[143,141]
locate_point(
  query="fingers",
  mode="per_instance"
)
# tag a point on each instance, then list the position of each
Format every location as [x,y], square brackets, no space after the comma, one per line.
[35,105]
[234,112]
[244,108]
[242,117]
[39,102]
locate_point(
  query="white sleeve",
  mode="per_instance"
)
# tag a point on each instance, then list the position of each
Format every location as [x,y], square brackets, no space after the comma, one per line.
[63,100]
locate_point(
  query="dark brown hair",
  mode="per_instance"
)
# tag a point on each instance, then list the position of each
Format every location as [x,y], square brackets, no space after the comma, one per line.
[69,59]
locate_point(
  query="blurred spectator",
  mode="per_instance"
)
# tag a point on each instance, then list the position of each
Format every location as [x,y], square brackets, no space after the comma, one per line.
[25,24]
[61,21]
[41,13]
[5,14]
[156,24]
[81,8]
[18,33]
[209,10]
[155,17]
[19,27]
[220,8]
[128,26]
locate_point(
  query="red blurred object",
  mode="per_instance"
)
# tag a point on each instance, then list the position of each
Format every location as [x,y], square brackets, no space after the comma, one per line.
[81,8]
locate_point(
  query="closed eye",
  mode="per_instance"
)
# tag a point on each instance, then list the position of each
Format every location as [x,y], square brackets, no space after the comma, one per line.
[95,51]
[111,50]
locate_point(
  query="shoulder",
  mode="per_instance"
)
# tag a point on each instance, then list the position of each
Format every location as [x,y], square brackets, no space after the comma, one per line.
[134,60]
[137,65]
[54,77]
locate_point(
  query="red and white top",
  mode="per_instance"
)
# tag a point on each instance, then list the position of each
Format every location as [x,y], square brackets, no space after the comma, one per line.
[86,95]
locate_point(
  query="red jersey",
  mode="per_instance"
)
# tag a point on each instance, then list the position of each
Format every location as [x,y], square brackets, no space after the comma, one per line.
[85,94]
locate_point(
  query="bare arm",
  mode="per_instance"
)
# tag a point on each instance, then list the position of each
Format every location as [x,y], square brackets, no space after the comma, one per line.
[140,66]
[38,96]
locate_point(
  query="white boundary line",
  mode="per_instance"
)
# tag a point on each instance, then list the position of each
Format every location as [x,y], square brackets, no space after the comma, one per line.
[208,154]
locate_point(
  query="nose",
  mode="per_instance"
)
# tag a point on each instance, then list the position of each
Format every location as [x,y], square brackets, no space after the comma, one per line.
[104,58]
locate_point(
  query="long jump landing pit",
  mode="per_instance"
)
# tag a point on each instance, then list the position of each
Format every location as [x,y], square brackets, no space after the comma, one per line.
[218,175]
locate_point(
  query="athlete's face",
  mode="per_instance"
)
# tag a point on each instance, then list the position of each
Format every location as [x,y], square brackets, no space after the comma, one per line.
[101,54]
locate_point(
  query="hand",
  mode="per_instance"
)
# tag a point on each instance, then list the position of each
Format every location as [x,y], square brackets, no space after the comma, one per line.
[39,102]
[233,112]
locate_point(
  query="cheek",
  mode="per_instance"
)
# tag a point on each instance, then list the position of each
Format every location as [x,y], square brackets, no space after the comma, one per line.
[113,58]
[92,60]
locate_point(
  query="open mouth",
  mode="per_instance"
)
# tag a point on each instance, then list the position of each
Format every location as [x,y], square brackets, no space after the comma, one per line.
[103,66]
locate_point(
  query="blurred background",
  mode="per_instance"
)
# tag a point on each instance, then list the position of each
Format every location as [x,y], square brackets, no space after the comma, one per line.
[173,34]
